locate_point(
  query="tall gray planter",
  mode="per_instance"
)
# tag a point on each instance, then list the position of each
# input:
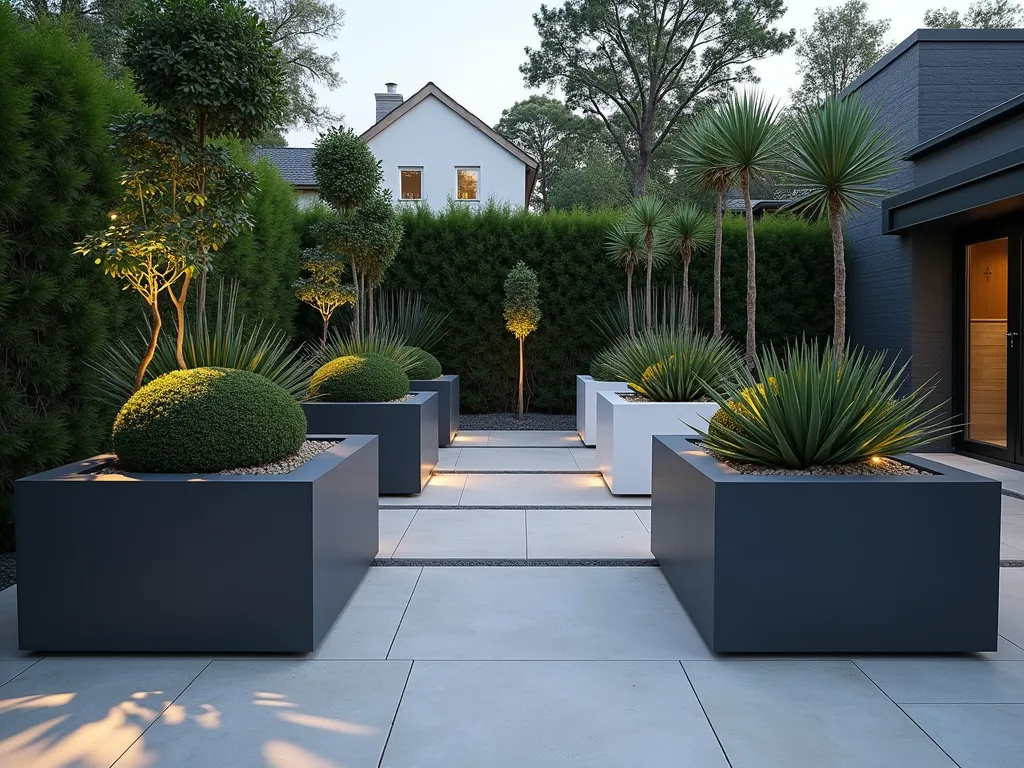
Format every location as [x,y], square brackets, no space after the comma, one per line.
[447,388]
[407,431]
[146,562]
[828,564]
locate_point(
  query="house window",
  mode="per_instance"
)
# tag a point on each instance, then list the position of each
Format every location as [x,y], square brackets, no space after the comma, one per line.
[467,183]
[412,183]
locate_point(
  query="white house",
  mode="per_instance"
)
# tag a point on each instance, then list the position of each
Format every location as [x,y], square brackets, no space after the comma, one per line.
[431,150]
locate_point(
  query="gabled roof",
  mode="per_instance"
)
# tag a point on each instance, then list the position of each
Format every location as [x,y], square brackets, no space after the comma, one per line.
[432,90]
[295,163]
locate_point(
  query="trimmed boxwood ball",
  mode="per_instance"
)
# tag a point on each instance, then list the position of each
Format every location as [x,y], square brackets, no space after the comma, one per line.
[207,420]
[427,366]
[366,378]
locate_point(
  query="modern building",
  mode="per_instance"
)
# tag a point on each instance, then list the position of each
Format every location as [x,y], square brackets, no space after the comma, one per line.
[432,150]
[935,269]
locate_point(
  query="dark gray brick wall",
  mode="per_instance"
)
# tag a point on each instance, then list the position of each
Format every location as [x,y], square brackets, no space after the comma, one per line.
[973,149]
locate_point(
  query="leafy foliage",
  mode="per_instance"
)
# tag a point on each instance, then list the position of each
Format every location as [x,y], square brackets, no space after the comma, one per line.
[427,367]
[207,420]
[364,378]
[346,171]
[983,14]
[387,342]
[57,180]
[522,310]
[819,410]
[408,316]
[682,366]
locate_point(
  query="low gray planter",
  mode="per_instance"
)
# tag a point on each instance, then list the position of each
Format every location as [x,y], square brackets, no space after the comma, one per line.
[447,388]
[828,564]
[407,432]
[193,563]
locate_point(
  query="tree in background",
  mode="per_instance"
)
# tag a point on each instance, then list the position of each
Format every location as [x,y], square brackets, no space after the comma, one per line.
[625,246]
[983,14]
[593,180]
[323,289]
[750,142]
[540,125]
[647,215]
[687,229]
[640,65]
[295,27]
[838,155]
[841,44]
[522,311]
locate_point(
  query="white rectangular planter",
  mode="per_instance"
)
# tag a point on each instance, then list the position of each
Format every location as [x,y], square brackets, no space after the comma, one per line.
[625,437]
[586,405]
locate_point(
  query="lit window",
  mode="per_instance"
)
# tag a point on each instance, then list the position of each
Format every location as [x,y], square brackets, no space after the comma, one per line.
[468,183]
[412,183]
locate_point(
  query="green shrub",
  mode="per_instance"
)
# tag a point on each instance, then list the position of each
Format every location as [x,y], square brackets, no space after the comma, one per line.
[819,411]
[600,372]
[386,341]
[207,420]
[57,181]
[366,378]
[427,367]
[458,259]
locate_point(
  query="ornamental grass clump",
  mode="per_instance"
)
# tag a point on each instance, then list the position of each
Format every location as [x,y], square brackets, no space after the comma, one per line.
[681,366]
[820,409]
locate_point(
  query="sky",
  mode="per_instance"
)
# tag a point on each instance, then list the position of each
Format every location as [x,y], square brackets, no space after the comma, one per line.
[472,49]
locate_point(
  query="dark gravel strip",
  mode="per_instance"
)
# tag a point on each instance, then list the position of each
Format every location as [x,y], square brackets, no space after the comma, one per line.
[8,570]
[516,562]
[541,421]
[1011,563]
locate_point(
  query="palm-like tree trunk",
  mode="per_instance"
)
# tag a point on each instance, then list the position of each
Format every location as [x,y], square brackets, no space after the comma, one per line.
[687,255]
[751,273]
[629,303]
[369,316]
[835,219]
[650,278]
[521,410]
[718,262]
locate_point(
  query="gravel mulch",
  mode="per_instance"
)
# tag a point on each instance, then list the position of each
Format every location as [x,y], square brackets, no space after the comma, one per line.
[880,466]
[531,421]
[8,570]
[307,451]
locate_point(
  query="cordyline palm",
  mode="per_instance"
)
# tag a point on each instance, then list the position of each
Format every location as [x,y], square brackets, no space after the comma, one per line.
[647,215]
[687,229]
[701,164]
[625,246]
[750,143]
[839,155]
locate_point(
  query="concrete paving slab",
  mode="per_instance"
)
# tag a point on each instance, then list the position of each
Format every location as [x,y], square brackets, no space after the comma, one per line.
[1012,479]
[1012,535]
[288,713]
[512,438]
[86,711]
[645,517]
[807,714]
[586,458]
[550,714]
[586,533]
[440,491]
[516,460]
[1006,552]
[1012,508]
[446,459]
[1011,605]
[465,533]
[947,681]
[9,625]
[543,491]
[546,613]
[476,438]
[974,735]
[11,668]
[393,525]
[367,626]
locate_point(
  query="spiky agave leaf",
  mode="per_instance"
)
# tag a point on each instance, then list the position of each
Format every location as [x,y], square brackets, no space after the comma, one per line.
[410,317]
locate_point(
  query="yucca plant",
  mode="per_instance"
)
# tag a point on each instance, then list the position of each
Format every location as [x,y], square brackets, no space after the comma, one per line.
[838,154]
[226,342]
[687,229]
[625,246]
[821,411]
[686,366]
[409,316]
[613,323]
[647,216]
[386,341]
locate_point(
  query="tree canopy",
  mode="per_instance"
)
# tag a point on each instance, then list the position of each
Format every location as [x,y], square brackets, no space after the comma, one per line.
[983,14]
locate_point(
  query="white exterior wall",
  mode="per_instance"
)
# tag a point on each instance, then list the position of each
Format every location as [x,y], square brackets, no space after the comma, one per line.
[437,139]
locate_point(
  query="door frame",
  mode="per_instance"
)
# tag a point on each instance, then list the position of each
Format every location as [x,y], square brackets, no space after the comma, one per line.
[1010,228]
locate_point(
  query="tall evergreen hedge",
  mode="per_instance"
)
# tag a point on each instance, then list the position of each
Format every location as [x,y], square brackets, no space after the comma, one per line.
[57,180]
[458,259]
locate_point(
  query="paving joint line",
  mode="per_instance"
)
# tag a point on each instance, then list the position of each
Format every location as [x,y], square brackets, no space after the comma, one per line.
[514,562]
[395,718]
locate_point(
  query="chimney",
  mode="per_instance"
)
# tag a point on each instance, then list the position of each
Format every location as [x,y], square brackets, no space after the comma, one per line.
[387,102]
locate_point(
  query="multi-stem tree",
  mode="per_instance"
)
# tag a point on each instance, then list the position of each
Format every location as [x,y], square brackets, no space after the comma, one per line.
[522,311]
[687,229]
[647,215]
[323,289]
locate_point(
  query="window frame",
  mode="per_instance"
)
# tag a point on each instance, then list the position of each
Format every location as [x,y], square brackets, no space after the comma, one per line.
[401,197]
[479,179]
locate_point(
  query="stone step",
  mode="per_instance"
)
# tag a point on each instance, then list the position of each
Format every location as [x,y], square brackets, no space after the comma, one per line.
[512,460]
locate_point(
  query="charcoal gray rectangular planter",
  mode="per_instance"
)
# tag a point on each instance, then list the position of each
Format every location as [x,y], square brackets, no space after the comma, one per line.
[407,432]
[447,388]
[145,562]
[828,564]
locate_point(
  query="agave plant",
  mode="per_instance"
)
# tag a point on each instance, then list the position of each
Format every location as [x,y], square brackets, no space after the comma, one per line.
[684,366]
[407,315]
[386,341]
[821,408]
[227,342]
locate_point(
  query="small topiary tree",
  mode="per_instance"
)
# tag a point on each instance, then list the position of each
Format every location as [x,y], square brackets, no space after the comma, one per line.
[207,420]
[426,365]
[366,378]
[522,313]
[323,289]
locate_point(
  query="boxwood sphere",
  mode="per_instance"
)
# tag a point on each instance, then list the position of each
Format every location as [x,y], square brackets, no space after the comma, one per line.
[207,420]
[366,378]
[427,366]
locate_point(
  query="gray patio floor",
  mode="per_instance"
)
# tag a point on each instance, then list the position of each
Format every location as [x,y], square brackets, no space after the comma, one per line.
[518,666]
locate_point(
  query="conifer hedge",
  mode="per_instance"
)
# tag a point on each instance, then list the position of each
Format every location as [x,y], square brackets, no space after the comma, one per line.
[57,180]
[458,260]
